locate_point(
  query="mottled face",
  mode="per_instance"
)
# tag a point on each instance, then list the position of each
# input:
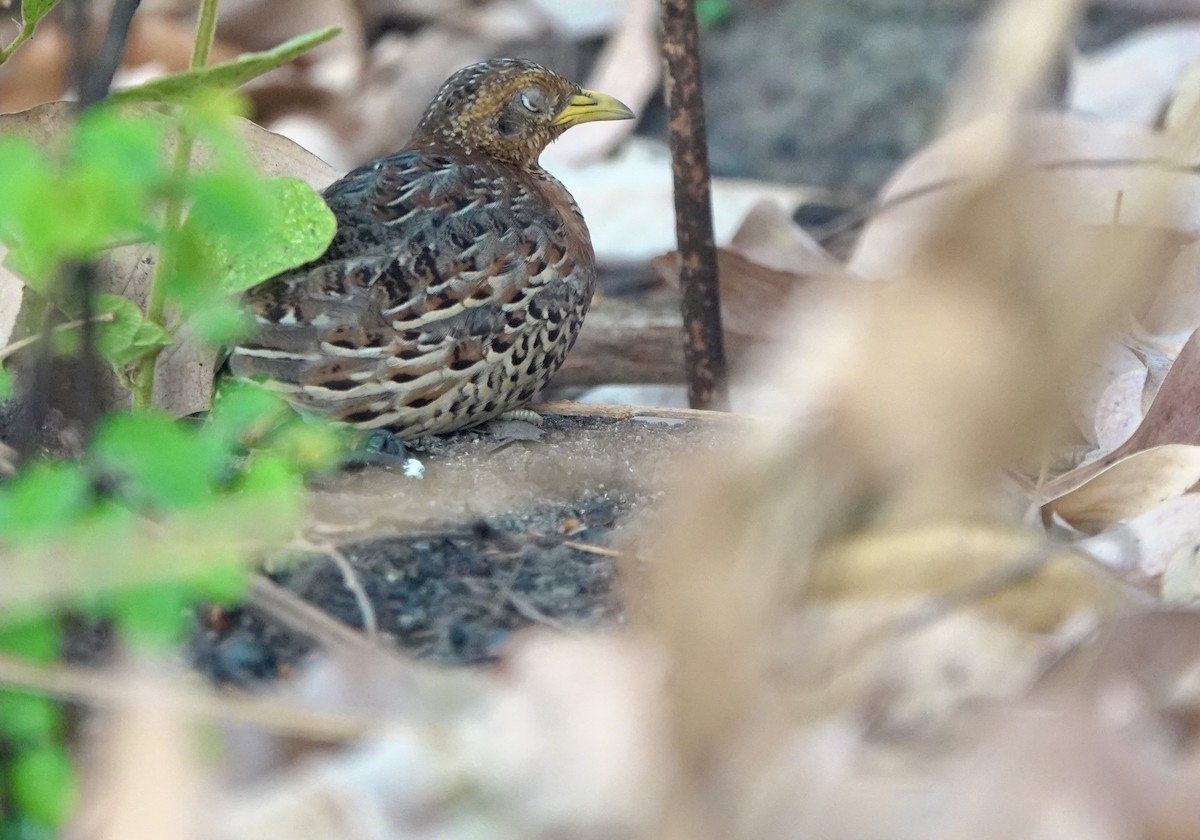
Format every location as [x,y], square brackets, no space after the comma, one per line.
[510,109]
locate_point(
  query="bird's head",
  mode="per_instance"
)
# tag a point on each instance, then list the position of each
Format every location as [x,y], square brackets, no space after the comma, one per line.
[510,109]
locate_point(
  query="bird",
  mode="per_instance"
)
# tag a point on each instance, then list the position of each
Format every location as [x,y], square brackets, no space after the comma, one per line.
[459,274]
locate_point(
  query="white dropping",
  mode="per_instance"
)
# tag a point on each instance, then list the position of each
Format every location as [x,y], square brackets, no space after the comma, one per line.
[413,469]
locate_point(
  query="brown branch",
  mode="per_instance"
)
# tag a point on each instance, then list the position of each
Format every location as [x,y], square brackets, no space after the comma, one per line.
[107,690]
[567,408]
[704,351]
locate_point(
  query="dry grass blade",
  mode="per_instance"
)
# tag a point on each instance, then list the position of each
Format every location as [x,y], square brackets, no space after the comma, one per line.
[146,745]
[955,371]
[627,412]
[105,690]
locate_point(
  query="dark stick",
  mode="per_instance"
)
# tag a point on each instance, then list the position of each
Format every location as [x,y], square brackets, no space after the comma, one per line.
[93,83]
[96,80]
[703,346]
[92,77]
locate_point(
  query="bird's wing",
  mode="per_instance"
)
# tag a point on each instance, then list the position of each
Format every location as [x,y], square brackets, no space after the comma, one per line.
[431,272]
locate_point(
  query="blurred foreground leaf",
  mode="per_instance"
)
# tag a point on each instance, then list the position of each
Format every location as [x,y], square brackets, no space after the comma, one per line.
[43,784]
[294,226]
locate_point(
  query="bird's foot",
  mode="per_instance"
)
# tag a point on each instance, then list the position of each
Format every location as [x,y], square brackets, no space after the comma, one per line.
[381,448]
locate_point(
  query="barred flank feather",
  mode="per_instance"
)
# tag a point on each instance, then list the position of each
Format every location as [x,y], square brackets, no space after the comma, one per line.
[454,287]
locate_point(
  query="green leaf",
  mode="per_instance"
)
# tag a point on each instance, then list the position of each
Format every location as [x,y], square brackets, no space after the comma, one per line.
[222,322]
[170,467]
[29,719]
[153,617]
[115,175]
[231,202]
[31,213]
[43,785]
[124,334]
[148,336]
[34,10]
[239,407]
[122,317]
[228,74]
[273,476]
[5,384]
[44,497]
[296,226]
[208,118]
[132,146]
[225,583]
[311,447]
[37,639]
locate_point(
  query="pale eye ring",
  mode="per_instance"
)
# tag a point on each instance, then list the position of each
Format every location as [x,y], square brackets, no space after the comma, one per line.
[532,100]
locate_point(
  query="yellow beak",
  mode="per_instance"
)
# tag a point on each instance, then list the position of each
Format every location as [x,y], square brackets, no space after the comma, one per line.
[588,106]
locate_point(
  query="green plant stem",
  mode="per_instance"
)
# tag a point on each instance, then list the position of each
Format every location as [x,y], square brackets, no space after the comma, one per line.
[206,28]
[24,35]
[143,393]
[9,349]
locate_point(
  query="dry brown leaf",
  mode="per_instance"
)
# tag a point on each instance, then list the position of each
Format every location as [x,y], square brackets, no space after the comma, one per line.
[1158,650]
[1003,570]
[770,260]
[1062,155]
[143,778]
[183,377]
[628,200]
[1146,544]
[869,658]
[1107,405]
[37,72]
[1128,487]
[263,24]
[1132,80]
[272,154]
[401,76]
[1174,415]
[1172,418]
[1175,309]
[12,288]
[752,295]
[768,236]
[1107,770]
[156,45]
[628,68]
[563,738]
[1181,579]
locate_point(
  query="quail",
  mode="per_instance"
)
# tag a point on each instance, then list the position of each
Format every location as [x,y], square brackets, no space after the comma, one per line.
[459,275]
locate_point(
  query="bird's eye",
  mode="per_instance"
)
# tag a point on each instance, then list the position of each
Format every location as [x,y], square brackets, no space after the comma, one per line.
[533,100]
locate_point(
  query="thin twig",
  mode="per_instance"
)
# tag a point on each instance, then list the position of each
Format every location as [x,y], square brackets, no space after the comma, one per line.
[937,607]
[588,548]
[865,212]
[143,392]
[528,610]
[16,346]
[68,682]
[568,408]
[350,580]
[293,612]
[703,341]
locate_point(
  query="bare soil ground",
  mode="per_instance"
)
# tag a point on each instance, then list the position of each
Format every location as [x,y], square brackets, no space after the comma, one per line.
[500,534]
